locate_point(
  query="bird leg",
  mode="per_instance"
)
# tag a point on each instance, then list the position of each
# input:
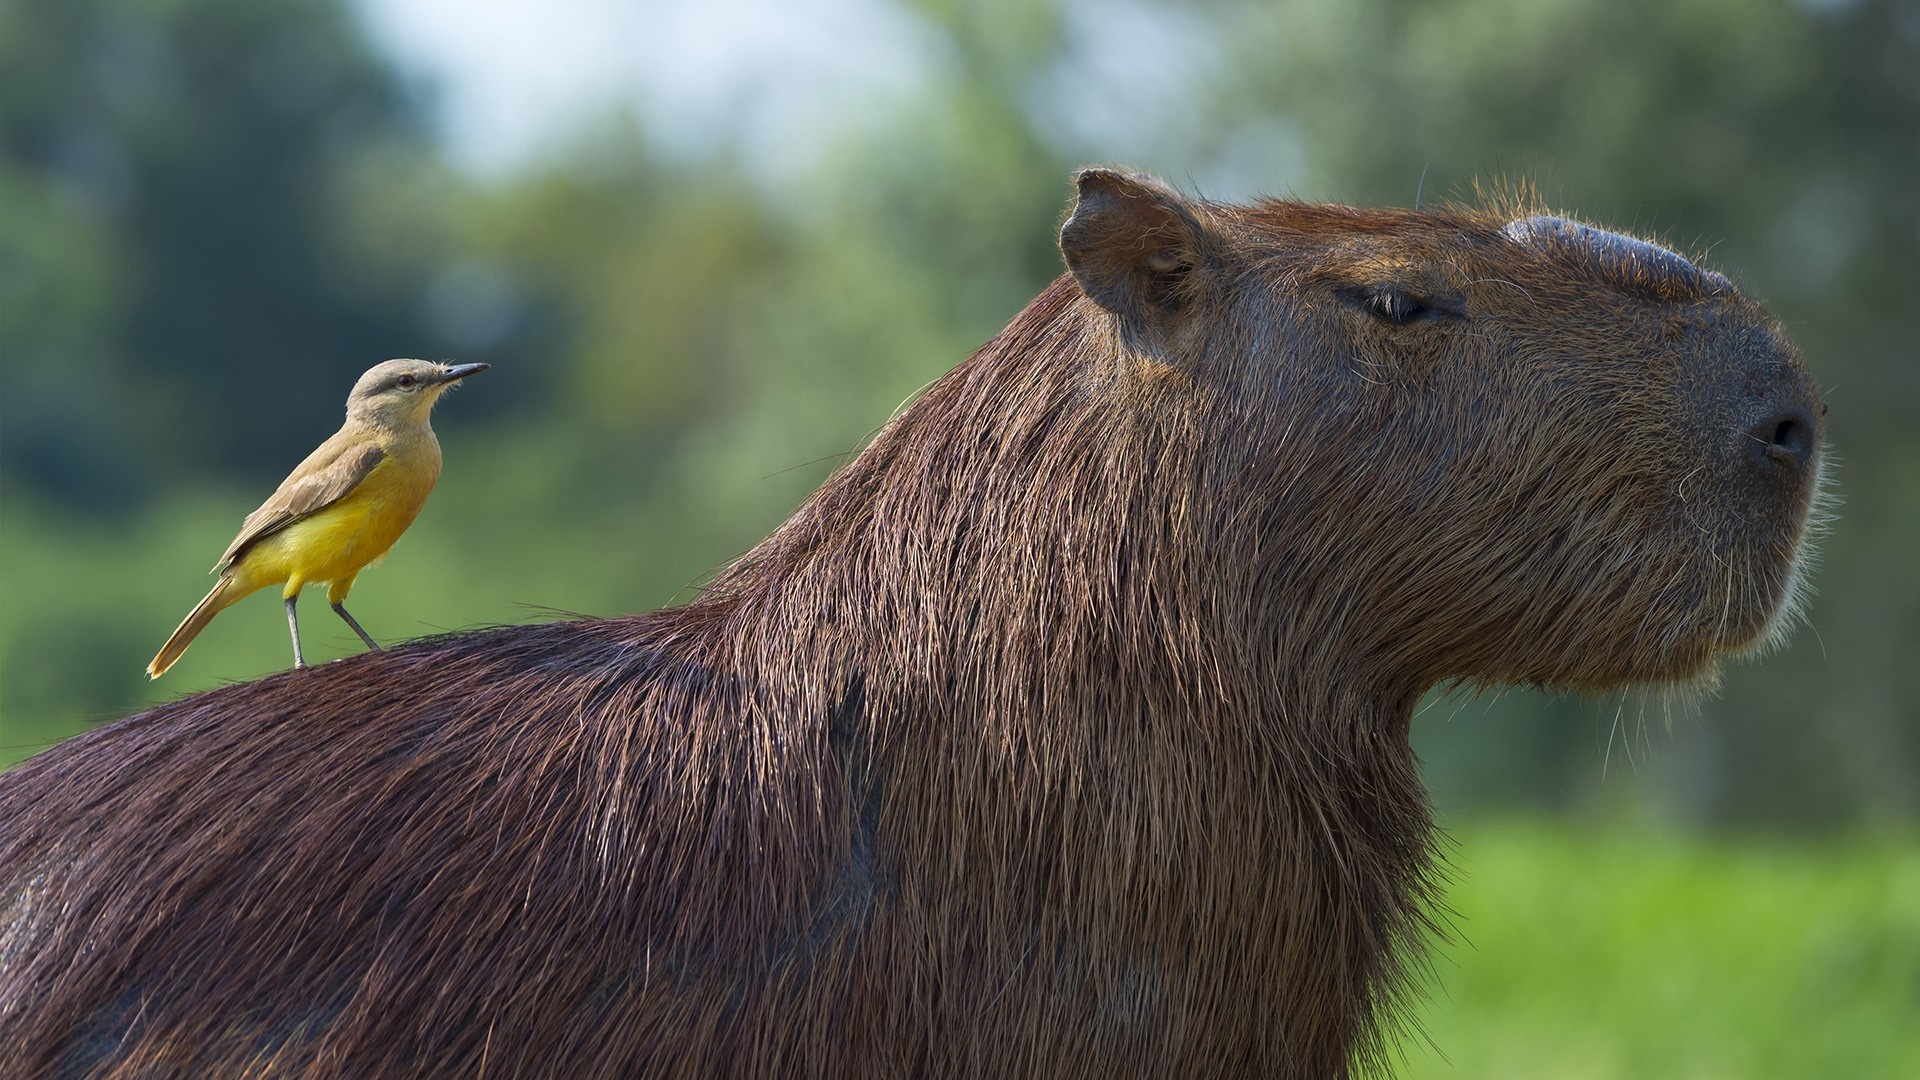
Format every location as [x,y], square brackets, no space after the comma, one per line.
[293,627]
[341,610]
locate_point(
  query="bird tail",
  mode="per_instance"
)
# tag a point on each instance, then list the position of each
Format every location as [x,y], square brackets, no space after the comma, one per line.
[216,600]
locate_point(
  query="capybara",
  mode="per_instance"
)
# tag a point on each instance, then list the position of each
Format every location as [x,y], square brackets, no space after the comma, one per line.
[1063,733]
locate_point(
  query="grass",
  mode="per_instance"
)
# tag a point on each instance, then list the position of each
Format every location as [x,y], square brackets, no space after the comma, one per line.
[1593,954]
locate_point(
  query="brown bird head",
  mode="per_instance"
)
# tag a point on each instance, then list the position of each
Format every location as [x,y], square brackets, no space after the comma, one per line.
[402,392]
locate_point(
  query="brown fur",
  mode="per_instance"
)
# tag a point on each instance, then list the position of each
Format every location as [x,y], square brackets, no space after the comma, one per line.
[1063,733]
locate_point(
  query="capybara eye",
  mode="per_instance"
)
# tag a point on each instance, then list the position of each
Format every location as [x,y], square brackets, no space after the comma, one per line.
[1399,306]
[1396,306]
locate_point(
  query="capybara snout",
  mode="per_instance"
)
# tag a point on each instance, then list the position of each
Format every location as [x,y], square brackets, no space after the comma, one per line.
[1752,373]
[1742,430]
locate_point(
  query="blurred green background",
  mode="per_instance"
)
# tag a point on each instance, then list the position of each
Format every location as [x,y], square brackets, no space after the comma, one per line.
[709,247]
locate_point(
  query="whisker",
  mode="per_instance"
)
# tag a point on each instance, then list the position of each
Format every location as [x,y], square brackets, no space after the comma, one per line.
[1502,281]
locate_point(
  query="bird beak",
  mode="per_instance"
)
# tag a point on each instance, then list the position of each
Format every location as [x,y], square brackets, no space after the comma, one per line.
[460,371]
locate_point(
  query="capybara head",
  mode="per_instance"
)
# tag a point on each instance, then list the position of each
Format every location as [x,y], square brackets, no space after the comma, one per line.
[1496,446]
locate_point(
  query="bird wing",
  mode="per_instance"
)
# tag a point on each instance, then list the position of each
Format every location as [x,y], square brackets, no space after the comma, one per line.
[328,475]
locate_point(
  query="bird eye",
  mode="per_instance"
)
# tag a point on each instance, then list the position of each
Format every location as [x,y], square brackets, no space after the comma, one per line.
[405,382]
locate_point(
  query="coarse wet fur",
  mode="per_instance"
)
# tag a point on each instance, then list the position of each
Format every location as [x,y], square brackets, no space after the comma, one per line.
[1062,733]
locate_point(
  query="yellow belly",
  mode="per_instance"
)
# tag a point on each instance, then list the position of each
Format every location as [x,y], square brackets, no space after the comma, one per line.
[337,542]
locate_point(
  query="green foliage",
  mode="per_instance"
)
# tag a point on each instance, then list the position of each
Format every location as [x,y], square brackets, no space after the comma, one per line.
[175,176]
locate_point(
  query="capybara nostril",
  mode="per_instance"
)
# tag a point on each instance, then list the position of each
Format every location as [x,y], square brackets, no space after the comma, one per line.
[1784,437]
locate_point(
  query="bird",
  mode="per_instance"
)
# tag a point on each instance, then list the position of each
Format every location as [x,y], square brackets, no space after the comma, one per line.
[341,509]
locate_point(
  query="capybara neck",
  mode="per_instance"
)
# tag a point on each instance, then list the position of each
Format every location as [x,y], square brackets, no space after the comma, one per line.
[1020,610]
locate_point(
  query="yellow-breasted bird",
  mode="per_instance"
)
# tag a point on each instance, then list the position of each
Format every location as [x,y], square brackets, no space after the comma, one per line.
[342,508]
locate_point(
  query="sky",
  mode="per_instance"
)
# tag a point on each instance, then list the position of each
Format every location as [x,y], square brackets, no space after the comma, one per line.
[516,78]
[780,81]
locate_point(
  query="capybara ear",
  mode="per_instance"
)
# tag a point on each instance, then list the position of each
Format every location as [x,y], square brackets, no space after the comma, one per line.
[1133,243]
